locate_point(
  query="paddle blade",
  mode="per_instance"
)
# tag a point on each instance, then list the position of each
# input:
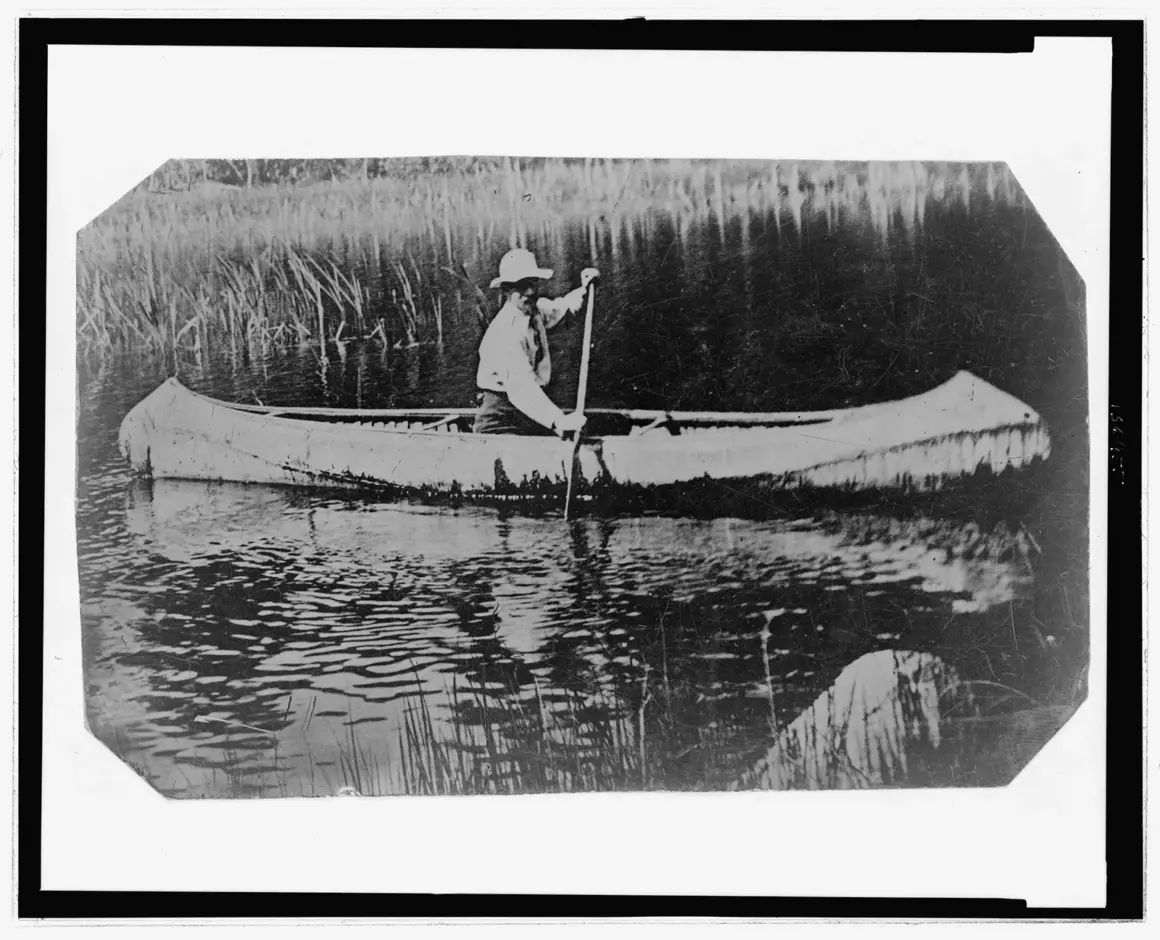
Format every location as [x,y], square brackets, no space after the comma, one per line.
[572,468]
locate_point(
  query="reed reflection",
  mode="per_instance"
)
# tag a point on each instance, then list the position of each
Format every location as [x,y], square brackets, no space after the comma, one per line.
[508,653]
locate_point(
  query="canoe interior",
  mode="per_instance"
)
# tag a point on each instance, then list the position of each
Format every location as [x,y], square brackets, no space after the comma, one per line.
[600,424]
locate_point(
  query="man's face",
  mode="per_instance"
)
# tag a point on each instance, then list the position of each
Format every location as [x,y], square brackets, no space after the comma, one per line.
[525,294]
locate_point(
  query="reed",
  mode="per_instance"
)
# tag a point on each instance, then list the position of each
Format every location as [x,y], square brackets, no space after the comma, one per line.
[165,269]
[518,744]
[281,297]
[359,765]
[405,299]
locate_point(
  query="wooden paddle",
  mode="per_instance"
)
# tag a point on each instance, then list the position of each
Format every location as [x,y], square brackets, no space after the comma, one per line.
[581,393]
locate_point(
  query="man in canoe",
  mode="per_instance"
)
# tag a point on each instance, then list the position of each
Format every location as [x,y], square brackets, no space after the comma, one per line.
[514,361]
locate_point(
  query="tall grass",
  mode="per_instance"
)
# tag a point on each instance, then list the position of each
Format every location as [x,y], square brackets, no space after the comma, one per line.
[215,265]
[890,718]
[282,296]
[491,739]
[523,745]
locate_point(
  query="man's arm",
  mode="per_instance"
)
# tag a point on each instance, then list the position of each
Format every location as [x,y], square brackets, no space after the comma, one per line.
[553,311]
[529,398]
[524,392]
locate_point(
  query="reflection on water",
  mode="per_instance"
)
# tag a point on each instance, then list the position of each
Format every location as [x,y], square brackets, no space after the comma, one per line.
[856,733]
[267,641]
[896,718]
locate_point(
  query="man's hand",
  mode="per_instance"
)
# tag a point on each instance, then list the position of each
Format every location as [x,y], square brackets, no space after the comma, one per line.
[587,276]
[569,423]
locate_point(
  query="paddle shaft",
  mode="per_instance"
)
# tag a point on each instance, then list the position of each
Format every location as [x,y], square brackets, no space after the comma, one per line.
[582,389]
[581,394]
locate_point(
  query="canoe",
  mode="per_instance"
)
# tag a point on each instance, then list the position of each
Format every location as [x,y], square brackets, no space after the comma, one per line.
[961,428]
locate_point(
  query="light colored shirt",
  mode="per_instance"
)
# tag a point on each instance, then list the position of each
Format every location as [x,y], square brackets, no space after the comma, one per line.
[514,358]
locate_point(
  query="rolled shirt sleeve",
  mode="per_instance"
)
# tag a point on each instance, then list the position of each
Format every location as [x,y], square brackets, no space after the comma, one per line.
[553,311]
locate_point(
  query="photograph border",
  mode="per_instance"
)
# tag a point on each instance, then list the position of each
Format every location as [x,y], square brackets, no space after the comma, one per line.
[1124,811]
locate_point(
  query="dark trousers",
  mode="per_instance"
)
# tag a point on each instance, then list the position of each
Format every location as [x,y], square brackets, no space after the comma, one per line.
[497,415]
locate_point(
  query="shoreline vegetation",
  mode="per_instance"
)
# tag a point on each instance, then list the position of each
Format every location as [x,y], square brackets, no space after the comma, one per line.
[315,253]
[889,719]
[598,739]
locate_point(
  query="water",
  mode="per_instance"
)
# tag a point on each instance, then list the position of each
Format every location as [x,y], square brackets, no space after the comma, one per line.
[259,641]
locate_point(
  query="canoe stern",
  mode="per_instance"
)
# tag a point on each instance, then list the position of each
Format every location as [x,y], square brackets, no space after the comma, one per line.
[139,425]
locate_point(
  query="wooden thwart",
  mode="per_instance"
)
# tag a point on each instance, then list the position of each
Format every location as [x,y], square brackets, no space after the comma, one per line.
[442,421]
[655,423]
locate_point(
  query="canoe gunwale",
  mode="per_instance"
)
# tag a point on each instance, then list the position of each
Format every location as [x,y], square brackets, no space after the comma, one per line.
[773,419]
[357,416]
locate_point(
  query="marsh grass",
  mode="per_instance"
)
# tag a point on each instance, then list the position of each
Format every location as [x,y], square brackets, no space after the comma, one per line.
[579,743]
[179,271]
[651,727]
[518,744]
[492,740]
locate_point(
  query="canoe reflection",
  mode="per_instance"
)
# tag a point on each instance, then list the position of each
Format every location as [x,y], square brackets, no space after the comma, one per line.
[895,718]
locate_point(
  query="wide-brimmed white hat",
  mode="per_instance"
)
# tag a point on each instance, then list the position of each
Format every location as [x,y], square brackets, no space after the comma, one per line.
[519,265]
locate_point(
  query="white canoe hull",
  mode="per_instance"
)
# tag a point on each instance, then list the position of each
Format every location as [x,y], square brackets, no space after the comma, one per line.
[921,442]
